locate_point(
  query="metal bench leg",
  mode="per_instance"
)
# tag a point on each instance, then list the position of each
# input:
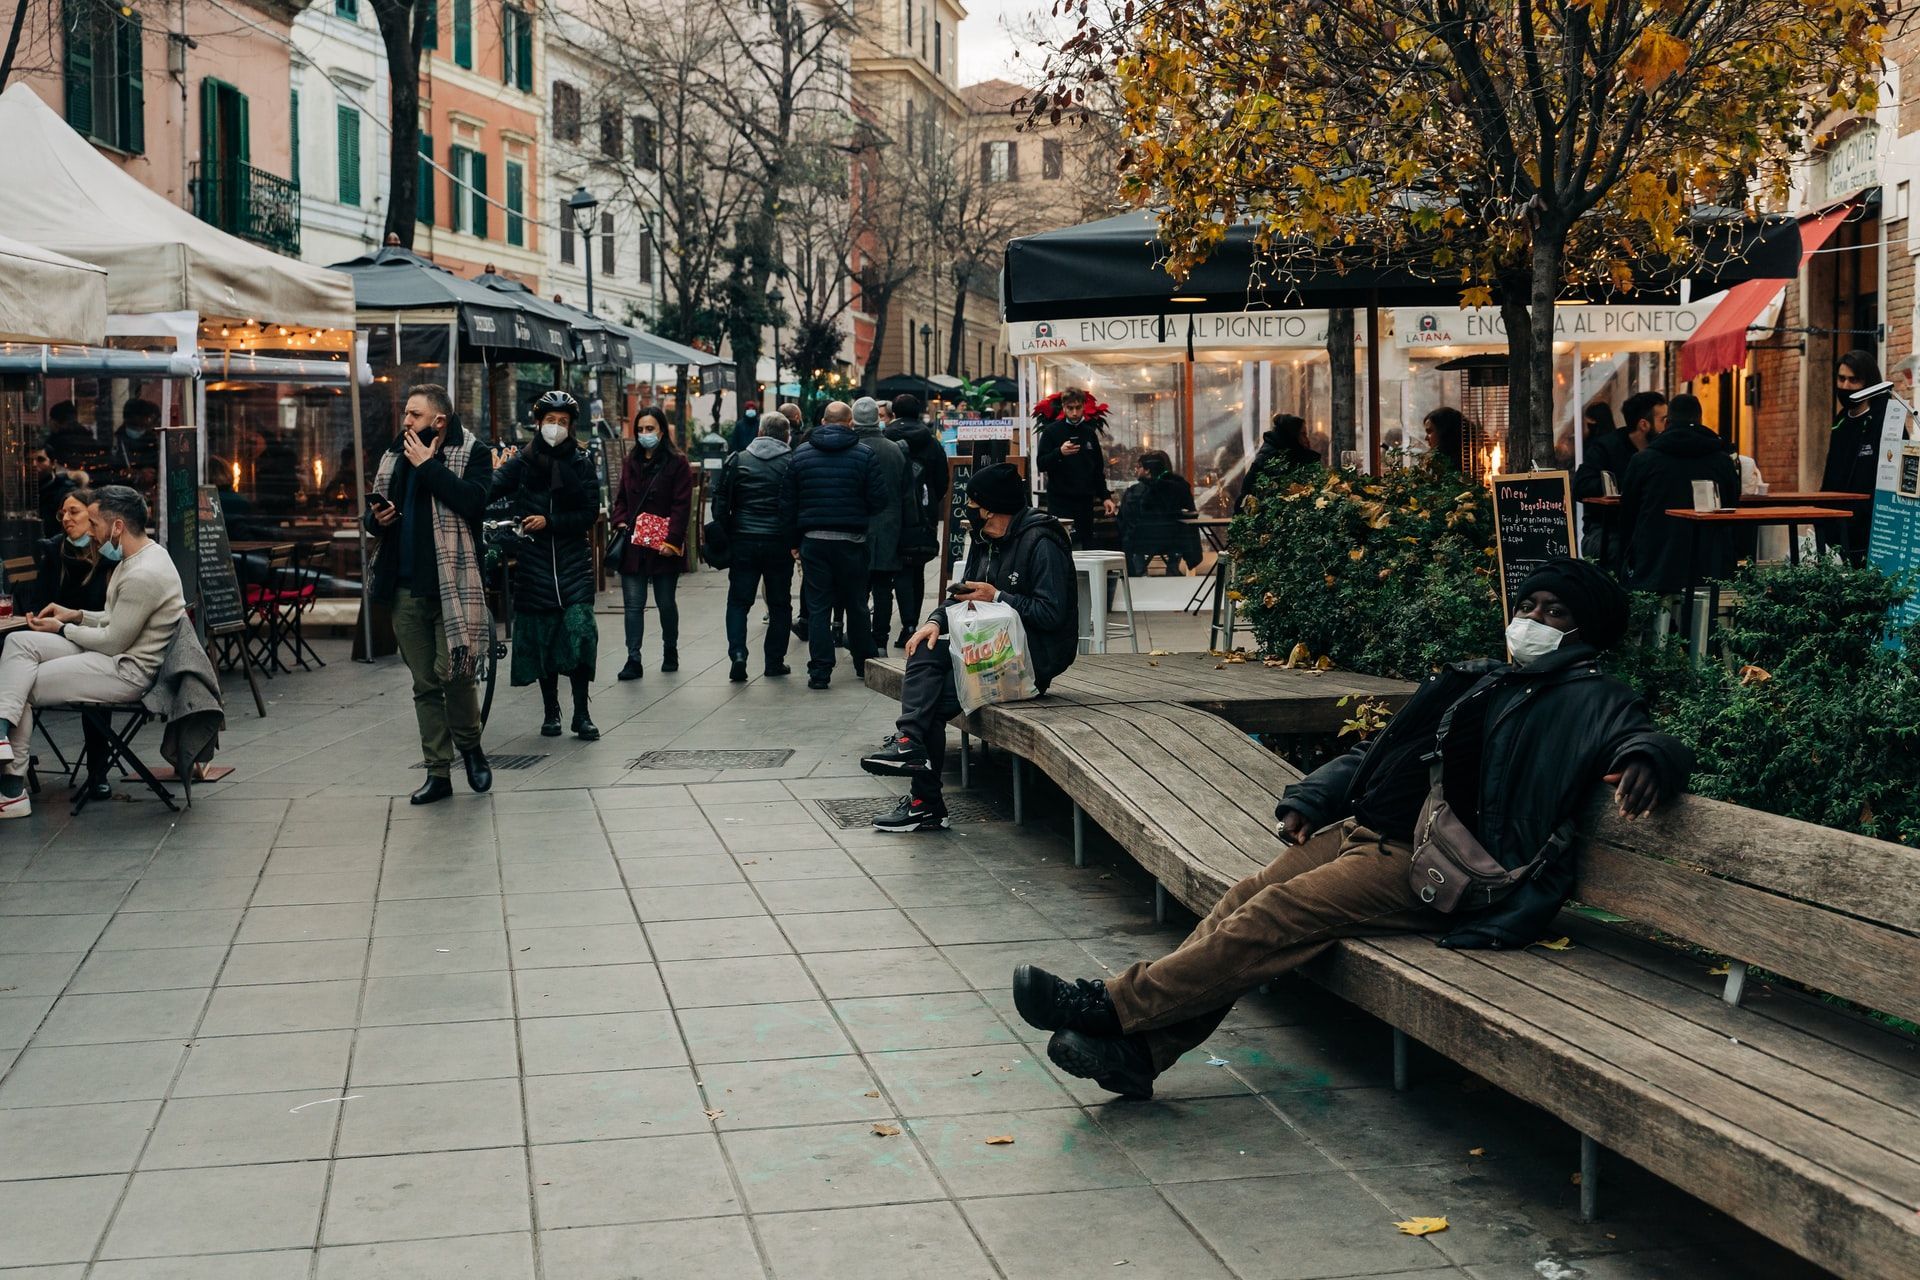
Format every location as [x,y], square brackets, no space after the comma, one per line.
[1589,1179]
[1019,793]
[1159,903]
[1399,1060]
[1736,982]
[1079,836]
[966,760]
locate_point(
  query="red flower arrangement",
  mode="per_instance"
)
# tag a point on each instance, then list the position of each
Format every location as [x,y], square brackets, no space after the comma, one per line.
[1049,410]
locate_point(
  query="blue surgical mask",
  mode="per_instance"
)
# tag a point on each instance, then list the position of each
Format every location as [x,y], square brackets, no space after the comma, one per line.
[84,541]
[110,551]
[648,439]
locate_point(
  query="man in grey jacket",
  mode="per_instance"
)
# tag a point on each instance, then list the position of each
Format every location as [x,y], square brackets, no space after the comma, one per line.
[746,502]
[883,530]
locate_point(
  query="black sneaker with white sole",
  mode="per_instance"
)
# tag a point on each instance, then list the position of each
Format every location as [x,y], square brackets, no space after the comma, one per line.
[914,814]
[898,754]
[1117,1064]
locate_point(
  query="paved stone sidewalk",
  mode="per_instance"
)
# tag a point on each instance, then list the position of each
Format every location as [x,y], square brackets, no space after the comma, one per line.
[652,1022]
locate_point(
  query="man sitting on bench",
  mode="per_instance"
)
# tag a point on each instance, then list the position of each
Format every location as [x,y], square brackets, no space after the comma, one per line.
[1521,746]
[71,655]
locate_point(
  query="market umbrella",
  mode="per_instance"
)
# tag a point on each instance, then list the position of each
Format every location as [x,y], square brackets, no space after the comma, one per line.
[48,297]
[499,325]
[908,384]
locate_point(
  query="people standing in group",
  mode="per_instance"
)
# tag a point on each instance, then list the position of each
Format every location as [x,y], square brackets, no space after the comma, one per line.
[1446,431]
[429,496]
[1074,461]
[73,570]
[746,503]
[796,424]
[883,530]
[53,483]
[650,514]
[1660,554]
[928,480]
[552,492]
[834,489]
[1605,467]
[1283,448]
[1853,446]
[746,430]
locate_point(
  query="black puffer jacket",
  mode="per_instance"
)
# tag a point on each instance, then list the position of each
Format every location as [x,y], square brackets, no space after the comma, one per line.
[833,483]
[1032,566]
[1276,456]
[1551,730]
[554,567]
[1660,478]
[920,543]
[747,499]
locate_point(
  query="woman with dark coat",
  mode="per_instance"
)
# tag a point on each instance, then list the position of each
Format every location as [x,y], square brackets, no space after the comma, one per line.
[72,572]
[1853,448]
[1284,448]
[654,481]
[551,490]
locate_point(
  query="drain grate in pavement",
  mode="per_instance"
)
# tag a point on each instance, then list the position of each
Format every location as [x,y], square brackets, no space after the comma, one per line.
[754,758]
[509,762]
[963,807]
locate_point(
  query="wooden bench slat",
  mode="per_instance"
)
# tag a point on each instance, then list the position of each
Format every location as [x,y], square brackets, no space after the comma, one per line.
[1245,774]
[1852,1230]
[1824,949]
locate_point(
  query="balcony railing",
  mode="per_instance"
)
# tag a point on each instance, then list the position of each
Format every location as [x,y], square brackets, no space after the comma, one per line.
[250,203]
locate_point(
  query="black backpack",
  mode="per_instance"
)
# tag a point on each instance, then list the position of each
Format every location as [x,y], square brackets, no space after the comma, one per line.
[716,539]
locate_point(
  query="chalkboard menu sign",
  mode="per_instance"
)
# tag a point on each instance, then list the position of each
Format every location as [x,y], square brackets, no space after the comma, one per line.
[1533,523]
[221,609]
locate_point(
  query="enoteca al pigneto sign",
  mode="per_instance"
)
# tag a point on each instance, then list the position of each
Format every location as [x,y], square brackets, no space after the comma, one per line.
[1415,327]
[1212,331]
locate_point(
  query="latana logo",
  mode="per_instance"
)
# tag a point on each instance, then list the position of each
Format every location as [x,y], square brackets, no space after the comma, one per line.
[1429,323]
[1044,329]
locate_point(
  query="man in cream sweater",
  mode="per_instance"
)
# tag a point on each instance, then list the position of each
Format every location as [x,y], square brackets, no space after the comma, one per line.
[71,655]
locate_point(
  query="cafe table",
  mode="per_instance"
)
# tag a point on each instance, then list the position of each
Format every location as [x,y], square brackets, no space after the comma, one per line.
[1742,517]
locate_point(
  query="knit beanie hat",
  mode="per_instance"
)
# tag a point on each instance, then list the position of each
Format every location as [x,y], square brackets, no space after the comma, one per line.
[999,489]
[1599,604]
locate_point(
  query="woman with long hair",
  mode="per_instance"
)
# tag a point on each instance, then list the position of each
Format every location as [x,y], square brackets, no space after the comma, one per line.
[74,573]
[1853,447]
[552,491]
[650,514]
[1446,431]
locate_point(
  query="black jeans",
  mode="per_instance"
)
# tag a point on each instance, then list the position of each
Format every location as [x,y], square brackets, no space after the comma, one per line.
[760,564]
[927,701]
[880,584]
[910,589]
[834,576]
[1079,509]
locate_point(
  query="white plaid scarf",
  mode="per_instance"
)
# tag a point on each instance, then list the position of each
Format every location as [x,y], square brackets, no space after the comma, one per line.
[463,590]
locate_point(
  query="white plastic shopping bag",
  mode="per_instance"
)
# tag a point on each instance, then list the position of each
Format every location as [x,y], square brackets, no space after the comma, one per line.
[991,662]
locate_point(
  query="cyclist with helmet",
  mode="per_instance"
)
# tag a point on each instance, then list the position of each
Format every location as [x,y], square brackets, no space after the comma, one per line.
[551,490]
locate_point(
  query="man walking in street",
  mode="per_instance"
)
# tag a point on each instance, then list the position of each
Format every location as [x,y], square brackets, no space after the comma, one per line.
[833,490]
[927,481]
[1074,461]
[1019,557]
[428,497]
[746,502]
[883,531]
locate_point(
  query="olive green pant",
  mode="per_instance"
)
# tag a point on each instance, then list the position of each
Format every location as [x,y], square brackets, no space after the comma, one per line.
[448,710]
[1345,882]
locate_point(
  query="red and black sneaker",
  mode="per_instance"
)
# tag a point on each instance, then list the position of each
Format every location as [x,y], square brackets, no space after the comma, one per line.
[914,814]
[899,754]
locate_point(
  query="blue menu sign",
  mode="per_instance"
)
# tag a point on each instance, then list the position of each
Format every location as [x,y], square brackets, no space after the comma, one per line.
[1894,543]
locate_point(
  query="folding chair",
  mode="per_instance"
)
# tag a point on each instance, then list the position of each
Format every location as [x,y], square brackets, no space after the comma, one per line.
[99,715]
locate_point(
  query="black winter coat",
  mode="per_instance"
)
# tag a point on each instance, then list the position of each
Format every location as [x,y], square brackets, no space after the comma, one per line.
[554,567]
[1277,456]
[747,499]
[921,543]
[1610,451]
[66,579]
[1151,514]
[1660,478]
[464,494]
[1032,566]
[1852,451]
[1551,730]
[1082,475]
[834,483]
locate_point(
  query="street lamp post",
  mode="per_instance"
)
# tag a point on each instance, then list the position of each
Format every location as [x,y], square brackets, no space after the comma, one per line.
[582,204]
[776,299]
[926,347]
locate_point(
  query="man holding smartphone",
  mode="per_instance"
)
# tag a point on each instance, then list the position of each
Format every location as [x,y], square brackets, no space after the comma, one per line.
[428,498]
[1019,557]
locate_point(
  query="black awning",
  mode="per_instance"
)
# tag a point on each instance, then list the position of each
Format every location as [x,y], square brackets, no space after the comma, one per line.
[909,384]
[496,324]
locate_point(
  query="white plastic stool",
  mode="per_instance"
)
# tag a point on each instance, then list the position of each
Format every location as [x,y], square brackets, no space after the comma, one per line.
[1091,569]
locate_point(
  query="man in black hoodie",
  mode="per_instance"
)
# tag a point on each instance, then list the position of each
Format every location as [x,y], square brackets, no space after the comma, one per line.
[1660,478]
[1019,557]
[1520,746]
[1074,462]
[920,540]
[1853,449]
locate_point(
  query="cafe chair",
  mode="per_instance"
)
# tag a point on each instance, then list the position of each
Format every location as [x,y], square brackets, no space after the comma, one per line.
[119,739]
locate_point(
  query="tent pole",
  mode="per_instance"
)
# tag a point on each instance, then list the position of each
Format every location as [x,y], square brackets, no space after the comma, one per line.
[453,362]
[360,489]
[1373,383]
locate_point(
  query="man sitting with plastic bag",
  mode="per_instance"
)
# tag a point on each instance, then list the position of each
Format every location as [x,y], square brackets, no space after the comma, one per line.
[1005,631]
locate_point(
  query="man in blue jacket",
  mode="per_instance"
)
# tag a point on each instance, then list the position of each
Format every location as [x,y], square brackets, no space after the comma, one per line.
[1520,746]
[833,487]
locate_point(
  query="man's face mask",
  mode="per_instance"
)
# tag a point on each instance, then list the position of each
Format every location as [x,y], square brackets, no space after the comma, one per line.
[555,433]
[976,518]
[1528,640]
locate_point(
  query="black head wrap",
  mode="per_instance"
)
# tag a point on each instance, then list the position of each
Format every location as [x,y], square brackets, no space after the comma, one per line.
[1599,603]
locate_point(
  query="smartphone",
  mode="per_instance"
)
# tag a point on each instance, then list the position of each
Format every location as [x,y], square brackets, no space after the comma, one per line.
[377,503]
[955,588]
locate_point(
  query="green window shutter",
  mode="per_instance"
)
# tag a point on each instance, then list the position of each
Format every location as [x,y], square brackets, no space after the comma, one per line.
[133,91]
[523,54]
[209,126]
[348,9]
[516,225]
[463,33]
[243,148]
[423,185]
[457,206]
[78,19]
[349,133]
[480,194]
[293,134]
[430,35]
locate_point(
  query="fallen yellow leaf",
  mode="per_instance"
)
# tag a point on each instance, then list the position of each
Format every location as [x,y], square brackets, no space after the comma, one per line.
[886,1130]
[1004,1140]
[1159,653]
[714,1113]
[873,1093]
[1555,944]
[1422,1226]
[1718,971]
[1751,674]
[1323,663]
[1478,1151]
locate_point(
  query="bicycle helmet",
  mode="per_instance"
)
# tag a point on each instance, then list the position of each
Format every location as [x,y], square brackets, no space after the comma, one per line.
[556,401]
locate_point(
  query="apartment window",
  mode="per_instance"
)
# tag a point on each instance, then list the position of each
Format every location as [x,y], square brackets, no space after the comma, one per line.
[423,183]
[565,223]
[910,114]
[923,31]
[430,25]
[646,255]
[469,186]
[939,47]
[906,8]
[998,162]
[463,33]
[606,244]
[347,127]
[106,98]
[516,206]
[516,48]
[610,131]
[646,144]
[566,112]
[1050,163]
[348,9]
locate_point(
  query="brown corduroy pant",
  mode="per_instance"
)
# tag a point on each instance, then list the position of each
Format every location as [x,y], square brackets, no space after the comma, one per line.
[1344,882]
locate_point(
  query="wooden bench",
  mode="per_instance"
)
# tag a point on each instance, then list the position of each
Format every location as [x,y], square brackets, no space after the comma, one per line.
[1798,1118]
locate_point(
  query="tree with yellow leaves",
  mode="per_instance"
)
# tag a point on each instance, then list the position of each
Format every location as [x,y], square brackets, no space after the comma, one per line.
[1526,149]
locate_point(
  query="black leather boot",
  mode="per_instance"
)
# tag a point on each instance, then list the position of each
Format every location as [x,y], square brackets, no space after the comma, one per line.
[434,788]
[1118,1065]
[583,726]
[670,660]
[1054,1004]
[479,773]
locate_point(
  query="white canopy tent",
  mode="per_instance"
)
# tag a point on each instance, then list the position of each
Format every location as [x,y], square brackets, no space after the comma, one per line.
[46,297]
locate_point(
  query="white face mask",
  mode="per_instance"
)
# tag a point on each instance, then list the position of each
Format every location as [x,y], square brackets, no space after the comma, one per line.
[1528,640]
[554,433]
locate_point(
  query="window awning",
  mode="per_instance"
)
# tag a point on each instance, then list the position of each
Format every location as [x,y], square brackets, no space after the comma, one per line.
[1721,342]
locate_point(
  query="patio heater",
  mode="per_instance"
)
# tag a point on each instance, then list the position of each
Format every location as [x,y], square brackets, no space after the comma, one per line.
[1482,398]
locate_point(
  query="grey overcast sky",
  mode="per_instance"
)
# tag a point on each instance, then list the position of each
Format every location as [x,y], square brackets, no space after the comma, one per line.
[986,49]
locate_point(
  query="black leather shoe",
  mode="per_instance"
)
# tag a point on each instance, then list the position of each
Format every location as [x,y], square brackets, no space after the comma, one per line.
[900,641]
[435,788]
[99,789]
[799,630]
[738,672]
[1054,1004]
[670,661]
[479,773]
[819,682]
[584,728]
[1117,1065]
[781,670]
[550,727]
[632,671]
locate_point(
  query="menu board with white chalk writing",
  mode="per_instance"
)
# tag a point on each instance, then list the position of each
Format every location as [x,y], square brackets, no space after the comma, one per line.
[1533,523]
